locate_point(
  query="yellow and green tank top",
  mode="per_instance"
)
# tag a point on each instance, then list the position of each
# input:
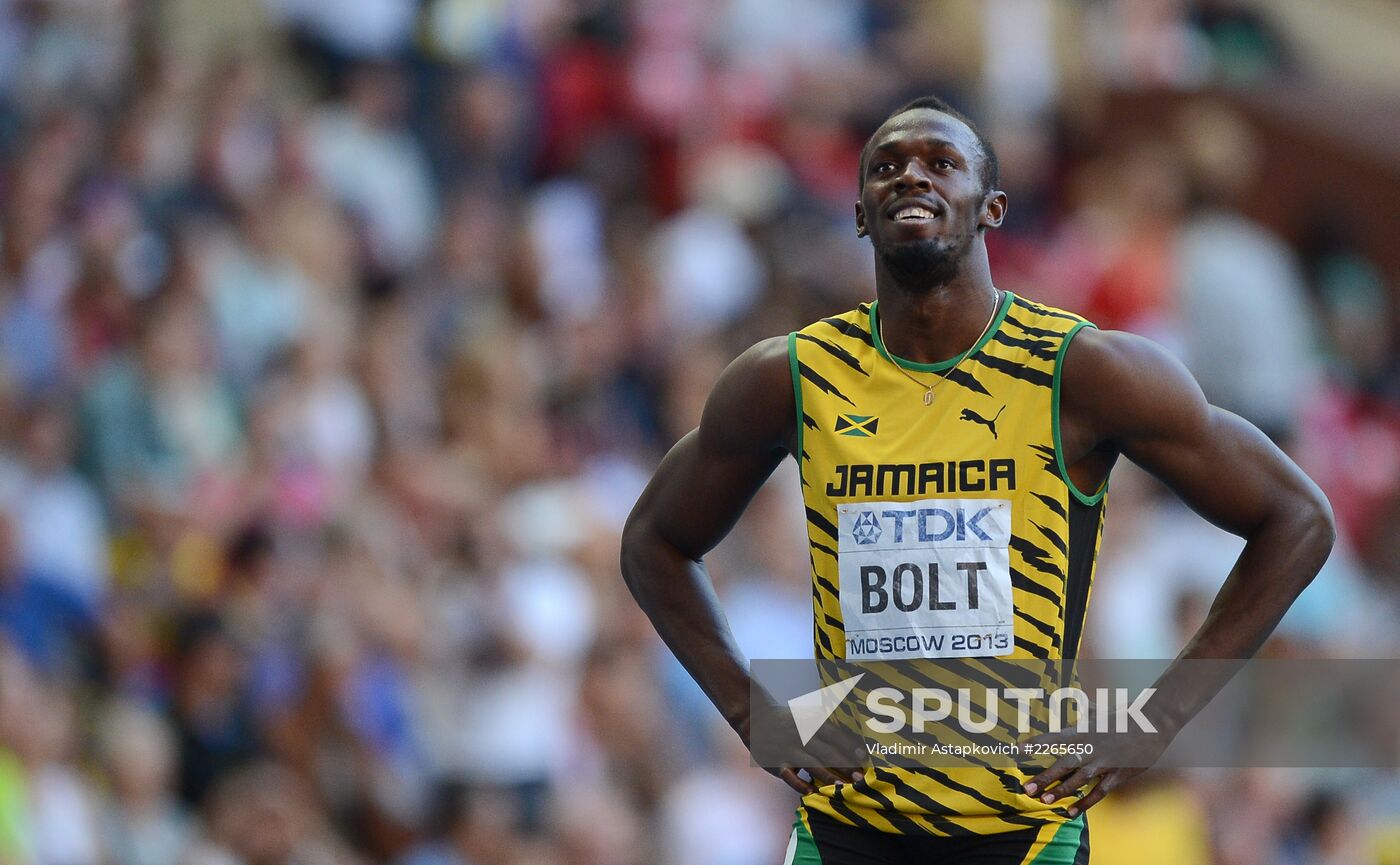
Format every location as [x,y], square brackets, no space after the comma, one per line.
[947,530]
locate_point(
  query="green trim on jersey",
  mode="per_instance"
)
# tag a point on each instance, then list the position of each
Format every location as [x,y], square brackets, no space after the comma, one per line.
[1093,499]
[797,395]
[1006,298]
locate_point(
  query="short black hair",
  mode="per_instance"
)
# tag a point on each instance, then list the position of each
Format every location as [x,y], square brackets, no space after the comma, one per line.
[989,172]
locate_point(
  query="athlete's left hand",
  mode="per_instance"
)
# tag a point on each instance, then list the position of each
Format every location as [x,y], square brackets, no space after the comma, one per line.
[1105,760]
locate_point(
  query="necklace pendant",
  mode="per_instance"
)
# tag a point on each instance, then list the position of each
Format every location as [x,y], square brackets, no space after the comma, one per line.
[928,397]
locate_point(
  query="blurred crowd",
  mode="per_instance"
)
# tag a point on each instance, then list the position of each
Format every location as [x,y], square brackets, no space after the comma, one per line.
[337,339]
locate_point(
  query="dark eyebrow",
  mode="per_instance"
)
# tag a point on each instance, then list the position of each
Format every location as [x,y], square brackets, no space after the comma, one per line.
[900,144]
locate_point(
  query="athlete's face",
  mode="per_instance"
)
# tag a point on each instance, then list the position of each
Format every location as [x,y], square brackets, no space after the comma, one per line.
[922,203]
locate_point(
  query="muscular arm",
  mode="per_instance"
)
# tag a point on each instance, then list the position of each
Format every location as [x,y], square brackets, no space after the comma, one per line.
[1127,394]
[1124,394]
[694,499]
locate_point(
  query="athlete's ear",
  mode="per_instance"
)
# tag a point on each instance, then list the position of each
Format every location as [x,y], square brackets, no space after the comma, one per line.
[993,209]
[860,220]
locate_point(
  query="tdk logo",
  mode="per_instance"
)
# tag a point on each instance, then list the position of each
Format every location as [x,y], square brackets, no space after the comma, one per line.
[931,524]
[874,526]
[867,529]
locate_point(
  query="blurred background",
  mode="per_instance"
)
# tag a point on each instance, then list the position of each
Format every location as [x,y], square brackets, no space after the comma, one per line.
[338,338]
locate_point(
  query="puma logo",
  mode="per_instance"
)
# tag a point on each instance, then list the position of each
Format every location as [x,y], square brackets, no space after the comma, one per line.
[969,414]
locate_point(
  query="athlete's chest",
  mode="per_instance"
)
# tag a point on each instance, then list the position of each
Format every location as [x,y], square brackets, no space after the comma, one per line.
[925,504]
[887,443]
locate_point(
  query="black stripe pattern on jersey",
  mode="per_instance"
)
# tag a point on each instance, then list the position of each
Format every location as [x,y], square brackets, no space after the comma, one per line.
[850,329]
[1052,537]
[1036,557]
[1032,330]
[1026,584]
[967,380]
[1037,348]
[1014,369]
[1051,503]
[1047,455]
[820,383]
[821,522]
[837,352]
[1044,310]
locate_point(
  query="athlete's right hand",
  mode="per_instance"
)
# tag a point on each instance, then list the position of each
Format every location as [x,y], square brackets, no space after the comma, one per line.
[820,776]
[832,757]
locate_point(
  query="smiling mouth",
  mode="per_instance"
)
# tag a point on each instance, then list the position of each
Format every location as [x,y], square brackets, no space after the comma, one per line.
[914,213]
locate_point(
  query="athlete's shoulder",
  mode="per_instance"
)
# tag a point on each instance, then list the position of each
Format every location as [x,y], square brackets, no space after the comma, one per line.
[752,404]
[1128,384]
[759,371]
[1119,352]
[765,360]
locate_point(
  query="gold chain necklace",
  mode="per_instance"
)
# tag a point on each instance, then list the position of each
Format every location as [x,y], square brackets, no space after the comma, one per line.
[928,388]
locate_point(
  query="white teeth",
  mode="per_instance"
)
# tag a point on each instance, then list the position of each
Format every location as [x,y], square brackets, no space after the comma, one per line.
[915,213]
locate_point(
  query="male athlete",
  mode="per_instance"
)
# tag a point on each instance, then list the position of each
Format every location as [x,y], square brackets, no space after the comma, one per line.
[949,396]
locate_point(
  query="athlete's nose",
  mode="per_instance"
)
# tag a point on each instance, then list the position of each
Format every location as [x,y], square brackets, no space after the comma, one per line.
[913,177]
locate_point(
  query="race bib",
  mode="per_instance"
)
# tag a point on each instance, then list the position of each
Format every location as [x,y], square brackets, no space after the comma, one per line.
[926,579]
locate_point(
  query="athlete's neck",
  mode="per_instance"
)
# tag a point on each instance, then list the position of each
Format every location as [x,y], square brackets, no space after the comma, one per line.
[931,324]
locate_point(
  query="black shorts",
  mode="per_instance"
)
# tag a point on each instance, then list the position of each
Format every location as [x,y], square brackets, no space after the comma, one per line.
[821,840]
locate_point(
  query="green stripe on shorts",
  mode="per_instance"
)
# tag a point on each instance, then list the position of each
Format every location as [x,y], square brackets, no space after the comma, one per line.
[1064,847]
[802,848]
